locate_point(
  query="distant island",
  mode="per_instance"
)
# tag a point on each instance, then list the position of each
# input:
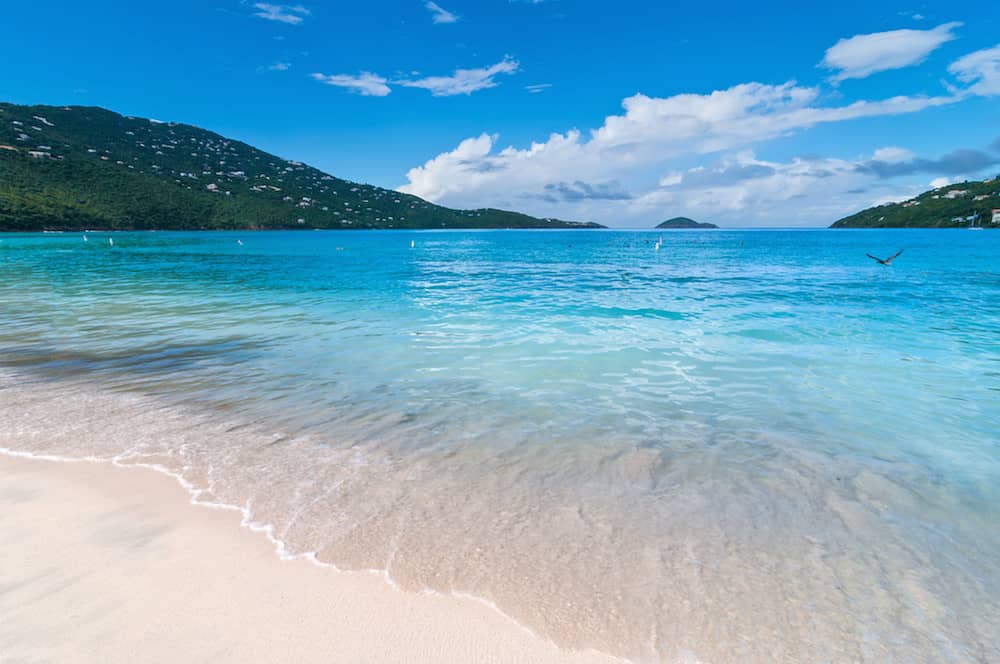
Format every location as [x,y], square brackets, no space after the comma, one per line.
[684,222]
[975,204]
[78,167]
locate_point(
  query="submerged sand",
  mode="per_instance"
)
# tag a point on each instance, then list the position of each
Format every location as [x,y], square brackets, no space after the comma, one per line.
[108,564]
[716,549]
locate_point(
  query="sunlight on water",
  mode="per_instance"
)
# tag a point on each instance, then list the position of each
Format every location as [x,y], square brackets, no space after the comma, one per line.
[747,445]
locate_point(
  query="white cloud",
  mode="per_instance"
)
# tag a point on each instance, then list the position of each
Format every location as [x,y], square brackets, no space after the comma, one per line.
[365,83]
[291,14]
[937,183]
[439,14]
[463,81]
[743,190]
[538,87]
[893,155]
[280,66]
[981,69]
[633,147]
[863,55]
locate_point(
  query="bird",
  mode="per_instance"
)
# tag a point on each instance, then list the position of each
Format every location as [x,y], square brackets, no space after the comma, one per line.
[887,260]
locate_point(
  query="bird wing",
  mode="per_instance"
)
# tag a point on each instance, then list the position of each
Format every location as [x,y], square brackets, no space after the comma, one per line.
[893,257]
[874,258]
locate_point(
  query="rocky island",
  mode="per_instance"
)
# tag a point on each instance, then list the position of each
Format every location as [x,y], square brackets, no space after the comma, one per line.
[684,222]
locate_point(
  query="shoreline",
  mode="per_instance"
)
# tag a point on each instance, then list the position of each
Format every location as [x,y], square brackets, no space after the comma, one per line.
[108,564]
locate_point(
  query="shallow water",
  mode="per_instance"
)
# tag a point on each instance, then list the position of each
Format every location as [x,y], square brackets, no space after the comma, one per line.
[749,445]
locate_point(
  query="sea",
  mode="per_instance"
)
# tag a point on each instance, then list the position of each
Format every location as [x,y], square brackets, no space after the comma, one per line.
[715,446]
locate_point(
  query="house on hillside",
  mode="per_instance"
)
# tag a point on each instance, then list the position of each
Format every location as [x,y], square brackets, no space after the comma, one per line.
[996,216]
[955,193]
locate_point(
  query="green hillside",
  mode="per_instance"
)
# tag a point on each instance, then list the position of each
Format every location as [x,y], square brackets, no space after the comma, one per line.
[75,167]
[954,206]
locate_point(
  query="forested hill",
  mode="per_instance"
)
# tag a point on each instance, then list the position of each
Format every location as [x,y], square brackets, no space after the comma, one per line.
[74,167]
[955,206]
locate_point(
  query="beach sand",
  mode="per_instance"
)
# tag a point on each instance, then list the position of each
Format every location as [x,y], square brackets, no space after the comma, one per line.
[108,564]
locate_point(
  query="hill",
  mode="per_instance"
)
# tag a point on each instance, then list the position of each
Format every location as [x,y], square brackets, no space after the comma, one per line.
[74,167]
[954,206]
[684,222]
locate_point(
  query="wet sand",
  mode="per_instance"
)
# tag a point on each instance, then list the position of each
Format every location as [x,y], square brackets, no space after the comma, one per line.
[108,564]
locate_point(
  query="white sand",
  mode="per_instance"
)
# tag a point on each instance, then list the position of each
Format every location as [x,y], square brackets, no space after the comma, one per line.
[107,564]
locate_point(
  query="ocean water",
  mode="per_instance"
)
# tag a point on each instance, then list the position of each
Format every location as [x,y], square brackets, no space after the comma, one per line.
[745,446]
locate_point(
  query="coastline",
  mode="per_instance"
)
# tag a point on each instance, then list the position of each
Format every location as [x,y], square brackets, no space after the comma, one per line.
[107,564]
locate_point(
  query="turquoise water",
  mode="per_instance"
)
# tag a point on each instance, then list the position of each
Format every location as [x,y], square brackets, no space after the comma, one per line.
[745,445]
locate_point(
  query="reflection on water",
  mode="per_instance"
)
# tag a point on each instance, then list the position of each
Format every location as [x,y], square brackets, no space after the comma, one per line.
[748,445]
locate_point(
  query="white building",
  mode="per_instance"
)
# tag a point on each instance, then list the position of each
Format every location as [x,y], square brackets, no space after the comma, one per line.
[996,216]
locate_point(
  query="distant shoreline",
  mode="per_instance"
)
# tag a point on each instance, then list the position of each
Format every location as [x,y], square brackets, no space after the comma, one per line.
[299,229]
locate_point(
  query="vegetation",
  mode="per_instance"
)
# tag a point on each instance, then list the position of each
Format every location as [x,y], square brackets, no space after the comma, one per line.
[684,222]
[74,167]
[955,206]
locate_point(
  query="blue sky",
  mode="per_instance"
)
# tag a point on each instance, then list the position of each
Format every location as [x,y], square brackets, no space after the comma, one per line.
[624,113]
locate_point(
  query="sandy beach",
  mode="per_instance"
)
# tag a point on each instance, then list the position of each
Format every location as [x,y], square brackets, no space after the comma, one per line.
[109,564]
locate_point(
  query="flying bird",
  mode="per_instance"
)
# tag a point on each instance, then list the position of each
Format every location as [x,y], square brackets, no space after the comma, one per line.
[887,260]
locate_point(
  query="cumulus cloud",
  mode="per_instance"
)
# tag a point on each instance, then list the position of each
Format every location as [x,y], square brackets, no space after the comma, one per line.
[744,190]
[957,162]
[439,14]
[980,70]
[365,83]
[291,14]
[627,147]
[463,81]
[893,155]
[583,191]
[937,183]
[863,55]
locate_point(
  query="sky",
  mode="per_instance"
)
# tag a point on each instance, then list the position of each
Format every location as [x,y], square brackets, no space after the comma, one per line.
[625,113]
